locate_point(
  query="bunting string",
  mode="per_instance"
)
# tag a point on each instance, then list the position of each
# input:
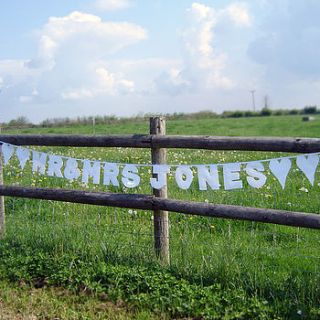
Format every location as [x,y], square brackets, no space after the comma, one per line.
[114,173]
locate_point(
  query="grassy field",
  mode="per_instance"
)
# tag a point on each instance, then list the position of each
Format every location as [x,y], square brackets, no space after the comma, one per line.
[22,302]
[290,126]
[220,268]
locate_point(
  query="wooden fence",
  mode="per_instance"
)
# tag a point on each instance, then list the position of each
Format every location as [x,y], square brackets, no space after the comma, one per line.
[157,141]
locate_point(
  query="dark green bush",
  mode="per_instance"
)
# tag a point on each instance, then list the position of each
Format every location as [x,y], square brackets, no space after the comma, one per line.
[294,111]
[309,110]
[266,112]
[249,113]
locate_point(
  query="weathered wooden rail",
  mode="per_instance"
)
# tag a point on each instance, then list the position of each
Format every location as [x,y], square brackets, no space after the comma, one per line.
[297,145]
[146,202]
[157,141]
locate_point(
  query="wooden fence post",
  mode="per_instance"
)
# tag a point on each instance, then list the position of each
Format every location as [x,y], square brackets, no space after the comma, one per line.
[2,211]
[160,217]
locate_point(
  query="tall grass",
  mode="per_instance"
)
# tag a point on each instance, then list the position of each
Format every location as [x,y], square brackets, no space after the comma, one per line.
[276,264]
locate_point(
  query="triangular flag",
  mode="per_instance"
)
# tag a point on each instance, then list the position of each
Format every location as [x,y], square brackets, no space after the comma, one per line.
[308,165]
[7,151]
[280,169]
[23,155]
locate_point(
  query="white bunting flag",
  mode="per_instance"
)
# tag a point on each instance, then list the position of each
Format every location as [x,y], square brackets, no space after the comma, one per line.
[39,161]
[7,152]
[280,169]
[184,177]
[256,178]
[208,177]
[23,155]
[161,171]
[91,169]
[130,177]
[233,175]
[72,171]
[55,165]
[308,165]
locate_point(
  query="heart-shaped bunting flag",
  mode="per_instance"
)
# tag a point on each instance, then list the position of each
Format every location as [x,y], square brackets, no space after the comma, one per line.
[280,169]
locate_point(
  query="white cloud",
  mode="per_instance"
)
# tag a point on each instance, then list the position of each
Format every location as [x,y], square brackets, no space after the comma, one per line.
[106,79]
[110,5]
[78,64]
[105,83]
[74,53]
[83,34]
[15,71]
[239,14]
[204,65]
[199,36]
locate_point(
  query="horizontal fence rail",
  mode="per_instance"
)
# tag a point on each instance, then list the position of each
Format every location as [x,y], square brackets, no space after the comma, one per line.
[145,202]
[297,145]
[157,142]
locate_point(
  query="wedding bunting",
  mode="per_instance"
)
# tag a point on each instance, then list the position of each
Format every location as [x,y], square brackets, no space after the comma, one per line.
[206,175]
[308,165]
[280,169]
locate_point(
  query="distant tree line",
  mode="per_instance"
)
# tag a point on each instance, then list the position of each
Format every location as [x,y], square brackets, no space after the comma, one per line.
[23,122]
[269,112]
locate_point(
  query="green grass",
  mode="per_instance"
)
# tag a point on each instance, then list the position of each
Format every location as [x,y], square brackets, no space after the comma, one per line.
[220,268]
[21,301]
[290,126]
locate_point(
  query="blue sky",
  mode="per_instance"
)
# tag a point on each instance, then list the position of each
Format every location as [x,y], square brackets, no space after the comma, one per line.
[124,57]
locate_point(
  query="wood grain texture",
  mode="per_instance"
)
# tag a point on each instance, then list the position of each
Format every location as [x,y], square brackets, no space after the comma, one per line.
[145,202]
[134,141]
[160,217]
[296,145]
